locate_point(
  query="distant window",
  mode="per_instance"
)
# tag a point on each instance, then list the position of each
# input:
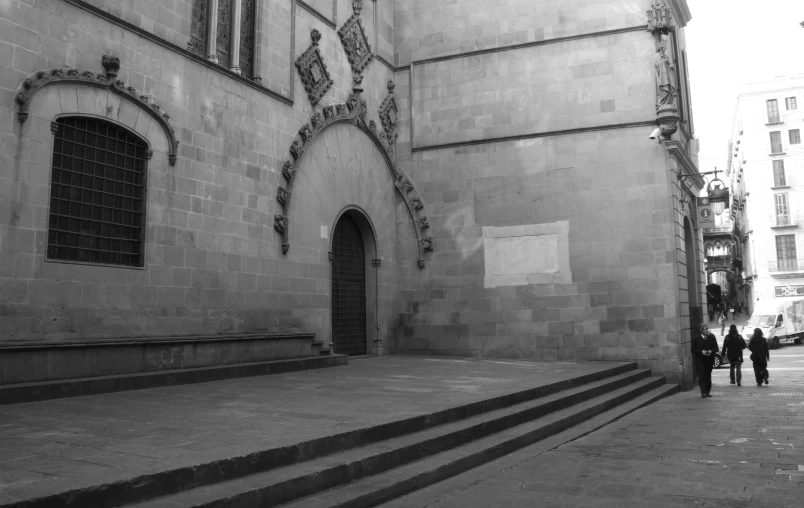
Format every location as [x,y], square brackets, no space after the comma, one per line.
[97,194]
[786,252]
[776,142]
[782,210]
[779,179]
[790,103]
[795,136]
[773,111]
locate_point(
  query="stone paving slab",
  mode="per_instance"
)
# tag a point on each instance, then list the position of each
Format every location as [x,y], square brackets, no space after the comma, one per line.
[742,447]
[57,445]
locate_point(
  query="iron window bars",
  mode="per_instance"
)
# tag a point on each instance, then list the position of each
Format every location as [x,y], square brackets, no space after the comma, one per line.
[97,197]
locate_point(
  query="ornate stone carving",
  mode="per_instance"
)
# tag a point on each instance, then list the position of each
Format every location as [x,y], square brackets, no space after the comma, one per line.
[376,263]
[353,112]
[149,154]
[353,37]
[54,127]
[660,17]
[40,79]
[660,23]
[283,196]
[289,172]
[312,70]
[111,64]
[388,113]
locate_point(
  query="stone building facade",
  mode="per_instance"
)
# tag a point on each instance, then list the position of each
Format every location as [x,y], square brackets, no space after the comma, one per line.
[488,166]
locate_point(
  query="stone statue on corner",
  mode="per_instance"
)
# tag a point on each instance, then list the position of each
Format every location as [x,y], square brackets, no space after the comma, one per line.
[665,76]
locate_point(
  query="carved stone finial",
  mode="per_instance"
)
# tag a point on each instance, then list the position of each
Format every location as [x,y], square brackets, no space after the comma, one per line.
[357,6]
[149,153]
[111,64]
[421,264]
[391,85]
[660,17]
[315,35]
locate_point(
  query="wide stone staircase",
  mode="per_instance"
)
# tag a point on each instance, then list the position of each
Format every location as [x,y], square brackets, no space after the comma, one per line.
[371,465]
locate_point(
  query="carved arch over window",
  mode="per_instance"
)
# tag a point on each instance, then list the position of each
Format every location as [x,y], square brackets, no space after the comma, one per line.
[108,80]
[353,112]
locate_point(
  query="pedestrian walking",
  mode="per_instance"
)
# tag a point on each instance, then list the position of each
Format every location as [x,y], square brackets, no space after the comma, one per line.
[760,356]
[722,322]
[733,346]
[704,348]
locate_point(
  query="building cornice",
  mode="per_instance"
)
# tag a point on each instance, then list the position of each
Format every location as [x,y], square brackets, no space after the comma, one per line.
[681,11]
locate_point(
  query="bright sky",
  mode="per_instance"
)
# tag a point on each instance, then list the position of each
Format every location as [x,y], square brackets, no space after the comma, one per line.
[729,43]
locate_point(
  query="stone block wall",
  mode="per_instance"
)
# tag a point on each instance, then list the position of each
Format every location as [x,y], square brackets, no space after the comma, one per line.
[527,116]
[213,259]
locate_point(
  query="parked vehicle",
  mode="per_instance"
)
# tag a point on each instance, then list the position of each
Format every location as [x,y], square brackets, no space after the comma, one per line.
[781,321]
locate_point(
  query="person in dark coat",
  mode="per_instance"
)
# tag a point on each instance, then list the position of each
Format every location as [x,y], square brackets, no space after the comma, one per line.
[704,348]
[760,356]
[733,346]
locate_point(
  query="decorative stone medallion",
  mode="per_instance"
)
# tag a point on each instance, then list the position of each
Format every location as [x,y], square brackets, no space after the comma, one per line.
[313,71]
[353,37]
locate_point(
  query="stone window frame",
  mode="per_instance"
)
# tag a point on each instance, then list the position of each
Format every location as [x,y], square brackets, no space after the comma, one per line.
[235,36]
[57,128]
[72,99]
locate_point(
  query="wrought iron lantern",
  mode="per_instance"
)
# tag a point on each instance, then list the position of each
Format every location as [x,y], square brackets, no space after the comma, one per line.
[718,194]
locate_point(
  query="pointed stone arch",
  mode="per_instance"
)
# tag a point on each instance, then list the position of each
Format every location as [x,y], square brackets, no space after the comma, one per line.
[353,112]
[107,80]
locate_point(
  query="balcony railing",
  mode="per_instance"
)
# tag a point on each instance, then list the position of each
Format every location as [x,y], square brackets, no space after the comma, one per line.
[786,265]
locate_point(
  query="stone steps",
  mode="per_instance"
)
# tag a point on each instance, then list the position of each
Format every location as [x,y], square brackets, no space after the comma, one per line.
[380,446]
[44,390]
[387,468]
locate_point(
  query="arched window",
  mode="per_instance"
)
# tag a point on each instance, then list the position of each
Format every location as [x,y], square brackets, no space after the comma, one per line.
[97,193]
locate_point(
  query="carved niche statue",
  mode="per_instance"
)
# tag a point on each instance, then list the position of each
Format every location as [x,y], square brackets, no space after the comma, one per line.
[665,76]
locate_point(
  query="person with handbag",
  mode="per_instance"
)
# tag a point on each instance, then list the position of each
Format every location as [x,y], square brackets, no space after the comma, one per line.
[760,356]
[704,348]
[733,346]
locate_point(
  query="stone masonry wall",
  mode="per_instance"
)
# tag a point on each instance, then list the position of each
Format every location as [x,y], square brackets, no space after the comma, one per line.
[611,186]
[213,260]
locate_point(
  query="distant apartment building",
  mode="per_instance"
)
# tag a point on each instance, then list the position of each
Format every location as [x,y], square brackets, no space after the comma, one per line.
[766,169]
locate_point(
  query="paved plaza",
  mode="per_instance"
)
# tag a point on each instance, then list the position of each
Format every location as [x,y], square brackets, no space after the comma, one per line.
[57,445]
[743,447]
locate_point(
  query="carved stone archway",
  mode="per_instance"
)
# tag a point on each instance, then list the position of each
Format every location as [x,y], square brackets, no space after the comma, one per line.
[107,80]
[353,112]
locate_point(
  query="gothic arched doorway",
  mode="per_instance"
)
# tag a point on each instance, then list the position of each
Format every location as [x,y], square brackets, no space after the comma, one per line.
[348,288]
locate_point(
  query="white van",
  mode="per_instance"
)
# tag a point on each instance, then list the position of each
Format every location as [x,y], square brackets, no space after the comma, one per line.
[781,321]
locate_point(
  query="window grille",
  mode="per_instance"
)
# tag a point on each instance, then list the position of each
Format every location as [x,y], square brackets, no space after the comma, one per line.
[97,196]
[224,31]
[247,39]
[795,136]
[198,28]
[790,103]
[779,179]
[776,142]
[786,252]
[773,111]
[782,210]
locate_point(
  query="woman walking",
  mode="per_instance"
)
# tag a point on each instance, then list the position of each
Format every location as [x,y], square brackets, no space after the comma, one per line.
[733,346]
[760,356]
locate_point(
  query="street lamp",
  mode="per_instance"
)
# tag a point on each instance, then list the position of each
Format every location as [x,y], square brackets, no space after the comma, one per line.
[718,195]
